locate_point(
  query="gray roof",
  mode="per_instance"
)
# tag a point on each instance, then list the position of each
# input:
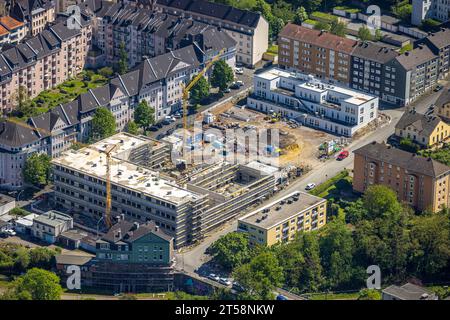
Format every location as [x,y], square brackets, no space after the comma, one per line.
[53,218]
[424,124]
[374,52]
[216,10]
[410,291]
[62,32]
[410,60]
[403,159]
[130,232]
[443,98]
[68,259]
[15,135]
[440,39]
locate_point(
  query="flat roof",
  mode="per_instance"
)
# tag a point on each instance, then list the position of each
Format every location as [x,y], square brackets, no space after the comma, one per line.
[53,218]
[4,199]
[354,97]
[287,210]
[262,167]
[92,161]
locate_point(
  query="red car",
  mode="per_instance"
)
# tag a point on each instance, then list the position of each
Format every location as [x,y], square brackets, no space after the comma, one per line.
[342,155]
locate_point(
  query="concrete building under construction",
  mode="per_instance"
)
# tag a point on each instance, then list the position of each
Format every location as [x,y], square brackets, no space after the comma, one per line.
[145,185]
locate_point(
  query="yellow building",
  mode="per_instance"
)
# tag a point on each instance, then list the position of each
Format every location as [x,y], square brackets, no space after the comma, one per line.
[426,130]
[281,220]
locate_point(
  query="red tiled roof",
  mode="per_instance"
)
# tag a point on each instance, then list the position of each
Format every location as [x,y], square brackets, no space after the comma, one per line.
[318,38]
[10,23]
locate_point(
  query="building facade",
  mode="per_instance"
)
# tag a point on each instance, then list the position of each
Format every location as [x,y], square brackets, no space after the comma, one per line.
[12,31]
[48,226]
[279,221]
[34,13]
[42,62]
[429,9]
[249,29]
[422,183]
[427,130]
[320,53]
[313,103]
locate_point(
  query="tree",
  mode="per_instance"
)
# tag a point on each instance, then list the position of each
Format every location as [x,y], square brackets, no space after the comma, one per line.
[364,34]
[276,26]
[21,259]
[311,276]
[231,250]
[24,107]
[106,72]
[122,66]
[41,257]
[369,294]
[431,236]
[222,75]
[103,124]
[260,276]
[132,128]
[144,115]
[402,11]
[336,249]
[380,201]
[200,90]
[378,35]
[36,284]
[37,169]
[338,28]
[300,15]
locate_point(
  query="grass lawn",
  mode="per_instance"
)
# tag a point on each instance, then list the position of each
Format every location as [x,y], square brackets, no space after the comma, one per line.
[273,49]
[322,16]
[309,21]
[65,92]
[347,9]
[335,296]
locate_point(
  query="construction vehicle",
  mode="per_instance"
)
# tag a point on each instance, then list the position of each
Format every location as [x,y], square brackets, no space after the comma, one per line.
[186,89]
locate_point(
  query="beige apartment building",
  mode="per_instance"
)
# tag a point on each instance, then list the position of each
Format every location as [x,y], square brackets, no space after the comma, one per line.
[422,183]
[316,52]
[249,29]
[36,14]
[280,221]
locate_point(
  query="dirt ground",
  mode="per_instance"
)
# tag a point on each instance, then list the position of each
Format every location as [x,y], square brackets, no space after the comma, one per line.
[299,146]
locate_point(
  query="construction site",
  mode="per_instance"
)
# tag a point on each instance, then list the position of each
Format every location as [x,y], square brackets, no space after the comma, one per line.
[185,201]
[298,145]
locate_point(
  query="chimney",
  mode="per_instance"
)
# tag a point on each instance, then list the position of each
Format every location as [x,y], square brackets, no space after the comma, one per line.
[122,216]
[135,225]
[119,234]
[156,228]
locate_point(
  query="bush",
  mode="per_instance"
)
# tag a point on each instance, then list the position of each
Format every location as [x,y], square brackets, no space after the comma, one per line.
[408,145]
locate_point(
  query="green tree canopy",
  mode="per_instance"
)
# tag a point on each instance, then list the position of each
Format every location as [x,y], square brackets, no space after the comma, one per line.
[36,284]
[231,250]
[106,72]
[260,277]
[338,28]
[132,128]
[369,294]
[200,90]
[37,169]
[122,66]
[300,15]
[144,115]
[222,75]
[103,124]
[364,34]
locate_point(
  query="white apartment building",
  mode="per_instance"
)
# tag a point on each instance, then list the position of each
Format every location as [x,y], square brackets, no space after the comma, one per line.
[430,9]
[311,102]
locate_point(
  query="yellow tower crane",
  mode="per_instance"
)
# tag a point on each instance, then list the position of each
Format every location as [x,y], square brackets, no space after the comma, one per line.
[108,152]
[186,89]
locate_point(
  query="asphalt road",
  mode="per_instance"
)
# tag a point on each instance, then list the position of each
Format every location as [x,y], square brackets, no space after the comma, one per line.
[193,258]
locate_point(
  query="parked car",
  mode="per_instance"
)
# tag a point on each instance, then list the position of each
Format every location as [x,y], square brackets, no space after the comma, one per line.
[310,186]
[281,297]
[237,286]
[214,277]
[438,88]
[177,115]
[234,86]
[159,125]
[240,83]
[342,155]
[153,128]
[225,281]
[227,90]
[239,70]
[159,136]
[179,126]
[9,232]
